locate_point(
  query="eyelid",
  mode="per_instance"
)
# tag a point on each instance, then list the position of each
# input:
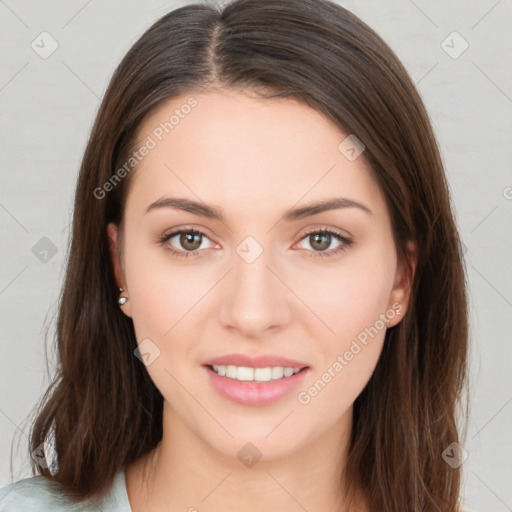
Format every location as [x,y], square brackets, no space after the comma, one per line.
[186,229]
[325,228]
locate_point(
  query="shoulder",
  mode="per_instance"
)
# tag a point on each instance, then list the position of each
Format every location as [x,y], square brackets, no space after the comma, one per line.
[40,494]
[33,494]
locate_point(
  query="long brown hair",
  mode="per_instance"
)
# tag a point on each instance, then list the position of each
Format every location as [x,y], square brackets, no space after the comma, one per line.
[103,411]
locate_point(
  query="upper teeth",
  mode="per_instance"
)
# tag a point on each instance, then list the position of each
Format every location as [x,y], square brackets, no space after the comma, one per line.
[255,374]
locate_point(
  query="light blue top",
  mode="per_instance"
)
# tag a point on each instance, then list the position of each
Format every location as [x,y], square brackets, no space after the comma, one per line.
[40,494]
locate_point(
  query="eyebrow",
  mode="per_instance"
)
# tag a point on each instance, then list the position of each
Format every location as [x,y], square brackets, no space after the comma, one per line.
[215,212]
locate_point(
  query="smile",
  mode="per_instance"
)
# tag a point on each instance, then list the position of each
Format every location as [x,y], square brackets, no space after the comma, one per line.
[244,373]
[255,387]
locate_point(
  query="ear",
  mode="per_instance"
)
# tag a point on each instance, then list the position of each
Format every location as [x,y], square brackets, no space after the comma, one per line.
[401,292]
[117,267]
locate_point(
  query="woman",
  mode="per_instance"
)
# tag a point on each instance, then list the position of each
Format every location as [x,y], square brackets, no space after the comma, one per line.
[310,352]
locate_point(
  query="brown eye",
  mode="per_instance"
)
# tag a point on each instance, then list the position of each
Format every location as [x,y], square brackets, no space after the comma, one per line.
[184,242]
[321,239]
[190,241]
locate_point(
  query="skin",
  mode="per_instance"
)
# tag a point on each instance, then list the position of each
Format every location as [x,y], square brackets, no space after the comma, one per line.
[254,159]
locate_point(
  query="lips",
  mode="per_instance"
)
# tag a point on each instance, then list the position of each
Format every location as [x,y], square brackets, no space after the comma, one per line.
[261,361]
[252,393]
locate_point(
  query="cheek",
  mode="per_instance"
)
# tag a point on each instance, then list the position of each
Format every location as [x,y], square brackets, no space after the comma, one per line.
[353,302]
[347,358]
[161,292]
[162,296]
[352,296]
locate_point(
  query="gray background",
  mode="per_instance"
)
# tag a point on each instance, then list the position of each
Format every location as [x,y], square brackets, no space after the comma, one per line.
[47,109]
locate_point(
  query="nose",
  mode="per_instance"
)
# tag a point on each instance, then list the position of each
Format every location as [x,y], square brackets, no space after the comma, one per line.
[255,300]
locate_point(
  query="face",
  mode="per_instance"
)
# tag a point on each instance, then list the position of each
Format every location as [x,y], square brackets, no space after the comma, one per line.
[251,280]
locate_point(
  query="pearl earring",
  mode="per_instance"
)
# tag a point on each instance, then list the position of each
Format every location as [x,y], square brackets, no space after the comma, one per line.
[122,300]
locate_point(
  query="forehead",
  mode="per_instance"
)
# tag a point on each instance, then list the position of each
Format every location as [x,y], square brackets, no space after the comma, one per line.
[229,147]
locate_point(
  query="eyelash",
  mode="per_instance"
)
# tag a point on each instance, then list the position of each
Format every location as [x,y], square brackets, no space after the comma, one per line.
[345,242]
